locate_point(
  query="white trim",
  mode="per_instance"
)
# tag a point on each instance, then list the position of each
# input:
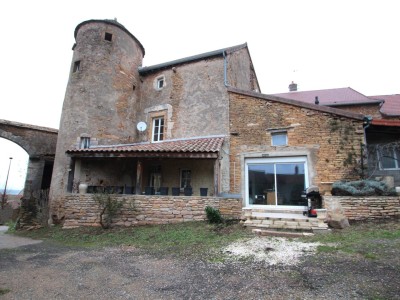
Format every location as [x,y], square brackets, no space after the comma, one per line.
[158,133]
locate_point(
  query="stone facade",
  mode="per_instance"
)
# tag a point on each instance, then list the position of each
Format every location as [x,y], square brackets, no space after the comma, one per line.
[331,140]
[367,208]
[109,93]
[82,209]
[372,110]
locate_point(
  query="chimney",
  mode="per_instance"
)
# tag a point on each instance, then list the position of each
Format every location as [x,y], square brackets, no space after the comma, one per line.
[316,100]
[293,87]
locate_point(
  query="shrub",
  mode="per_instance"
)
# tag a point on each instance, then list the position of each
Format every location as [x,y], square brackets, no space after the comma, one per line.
[110,206]
[361,188]
[213,215]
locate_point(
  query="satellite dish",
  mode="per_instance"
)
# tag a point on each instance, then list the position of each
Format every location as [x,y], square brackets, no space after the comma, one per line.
[141,126]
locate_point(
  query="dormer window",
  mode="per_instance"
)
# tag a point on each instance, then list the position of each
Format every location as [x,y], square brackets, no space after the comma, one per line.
[85,143]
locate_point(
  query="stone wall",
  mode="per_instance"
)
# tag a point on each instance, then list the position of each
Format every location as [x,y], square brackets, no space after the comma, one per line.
[367,208]
[330,139]
[82,209]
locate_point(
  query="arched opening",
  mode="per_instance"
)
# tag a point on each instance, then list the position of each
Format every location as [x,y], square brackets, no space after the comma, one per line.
[18,166]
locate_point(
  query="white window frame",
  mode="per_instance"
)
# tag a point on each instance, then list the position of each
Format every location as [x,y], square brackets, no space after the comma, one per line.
[181,178]
[395,154]
[84,142]
[279,133]
[159,83]
[156,130]
[291,159]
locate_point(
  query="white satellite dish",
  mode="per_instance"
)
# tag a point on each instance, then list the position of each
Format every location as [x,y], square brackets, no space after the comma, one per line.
[141,126]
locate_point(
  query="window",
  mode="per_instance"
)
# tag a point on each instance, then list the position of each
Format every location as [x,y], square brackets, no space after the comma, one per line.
[108,37]
[160,83]
[276,181]
[279,138]
[85,143]
[186,178]
[158,129]
[77,66]
[389,158]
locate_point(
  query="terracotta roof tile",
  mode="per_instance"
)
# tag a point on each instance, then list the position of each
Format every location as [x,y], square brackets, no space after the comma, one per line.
[206,144]
[330,97]
[391,106]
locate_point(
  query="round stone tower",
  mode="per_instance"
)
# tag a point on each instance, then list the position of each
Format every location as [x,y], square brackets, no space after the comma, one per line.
[101,97]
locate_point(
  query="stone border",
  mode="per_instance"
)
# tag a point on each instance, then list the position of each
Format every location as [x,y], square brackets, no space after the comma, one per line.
[366,208]
[82,209]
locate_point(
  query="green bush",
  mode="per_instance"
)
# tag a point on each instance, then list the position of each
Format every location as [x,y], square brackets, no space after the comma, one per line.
[213,215]
[361,188]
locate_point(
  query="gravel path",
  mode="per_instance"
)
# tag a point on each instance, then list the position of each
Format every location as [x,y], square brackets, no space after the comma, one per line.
[49,271]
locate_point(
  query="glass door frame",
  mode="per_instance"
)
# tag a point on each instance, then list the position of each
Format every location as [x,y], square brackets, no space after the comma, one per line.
[274,160]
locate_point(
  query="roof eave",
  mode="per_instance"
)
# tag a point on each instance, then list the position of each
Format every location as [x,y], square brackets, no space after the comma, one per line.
[189,59]
[321,108]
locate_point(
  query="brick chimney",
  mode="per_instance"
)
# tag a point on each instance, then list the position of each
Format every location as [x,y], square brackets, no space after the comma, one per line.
[293,87]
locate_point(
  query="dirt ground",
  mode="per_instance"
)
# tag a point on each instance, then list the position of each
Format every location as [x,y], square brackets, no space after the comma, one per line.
[50,271]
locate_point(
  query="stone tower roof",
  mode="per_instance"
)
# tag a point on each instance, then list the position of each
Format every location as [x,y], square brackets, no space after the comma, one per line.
[112,22]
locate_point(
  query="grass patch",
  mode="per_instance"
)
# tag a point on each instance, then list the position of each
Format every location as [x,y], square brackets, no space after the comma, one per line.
[364,238]
[4,291]
[184,238]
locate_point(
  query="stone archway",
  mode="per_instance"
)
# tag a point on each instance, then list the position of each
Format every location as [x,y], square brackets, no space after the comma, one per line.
[40,144]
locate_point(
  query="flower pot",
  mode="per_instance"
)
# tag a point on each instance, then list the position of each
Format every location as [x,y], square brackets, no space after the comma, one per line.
[83,188]
[163,190]
[176,191]
[188,191]
[203,192]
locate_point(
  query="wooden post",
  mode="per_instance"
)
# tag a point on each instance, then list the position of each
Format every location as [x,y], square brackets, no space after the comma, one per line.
[216,177]
[139,171]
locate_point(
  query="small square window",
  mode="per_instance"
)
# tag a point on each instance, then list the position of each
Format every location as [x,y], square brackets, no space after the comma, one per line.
[279,138]
[108,36]
[160,83]
[77,66]
[85,143]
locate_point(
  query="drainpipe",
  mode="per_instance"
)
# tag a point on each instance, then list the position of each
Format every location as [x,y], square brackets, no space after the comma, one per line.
[367,122]
[226,83]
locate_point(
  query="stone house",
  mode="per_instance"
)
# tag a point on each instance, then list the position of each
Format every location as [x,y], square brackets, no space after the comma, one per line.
[197,127]
[383,129]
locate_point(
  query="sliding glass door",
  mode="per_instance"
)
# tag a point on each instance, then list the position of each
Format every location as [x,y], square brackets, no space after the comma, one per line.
[276,181]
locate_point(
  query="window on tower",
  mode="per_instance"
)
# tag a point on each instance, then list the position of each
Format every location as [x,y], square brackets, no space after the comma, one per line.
[77,66]
[108,36]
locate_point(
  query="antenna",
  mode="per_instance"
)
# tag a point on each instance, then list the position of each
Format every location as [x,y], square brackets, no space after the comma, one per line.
[141,126]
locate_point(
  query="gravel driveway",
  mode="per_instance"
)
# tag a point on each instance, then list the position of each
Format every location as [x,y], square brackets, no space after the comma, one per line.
[51,271]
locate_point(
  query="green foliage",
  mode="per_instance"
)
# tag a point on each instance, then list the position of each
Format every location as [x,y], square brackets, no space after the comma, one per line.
[361,188]
[4,291]
[369,239]
[213,215]
[110,207]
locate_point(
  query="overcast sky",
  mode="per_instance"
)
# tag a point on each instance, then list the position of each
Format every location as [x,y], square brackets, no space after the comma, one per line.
[318,44]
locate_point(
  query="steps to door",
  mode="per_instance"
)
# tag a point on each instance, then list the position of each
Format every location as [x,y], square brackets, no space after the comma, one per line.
[281,220]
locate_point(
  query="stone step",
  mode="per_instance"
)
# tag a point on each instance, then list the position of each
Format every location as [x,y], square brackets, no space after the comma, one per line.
[287,224]
[279,233]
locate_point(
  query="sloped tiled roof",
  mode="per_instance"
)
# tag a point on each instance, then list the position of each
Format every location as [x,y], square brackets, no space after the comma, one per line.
[170,64]
[331,97]
[322,108]
[391,106]
[192,145]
